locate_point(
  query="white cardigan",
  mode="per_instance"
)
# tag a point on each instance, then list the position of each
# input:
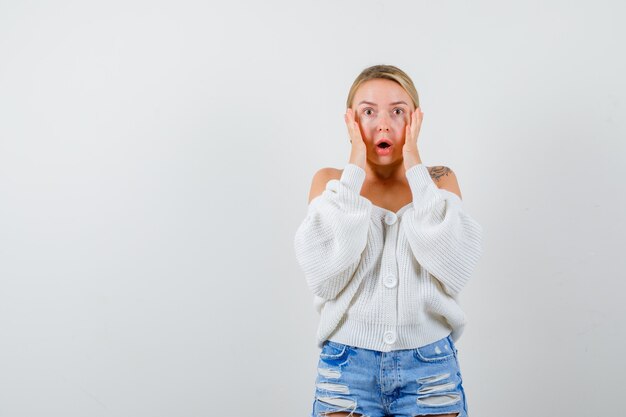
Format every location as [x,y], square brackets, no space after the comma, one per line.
[385,280]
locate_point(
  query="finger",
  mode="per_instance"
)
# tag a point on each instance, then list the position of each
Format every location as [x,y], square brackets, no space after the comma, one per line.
[354,127]
[352,120]
[349,117]
[348,124]
[357,131]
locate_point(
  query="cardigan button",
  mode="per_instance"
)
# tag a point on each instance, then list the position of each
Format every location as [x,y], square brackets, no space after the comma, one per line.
[390,337]
[390,281]
[390,218]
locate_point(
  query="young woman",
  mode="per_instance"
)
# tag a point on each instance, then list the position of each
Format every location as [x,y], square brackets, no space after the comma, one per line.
[386,247]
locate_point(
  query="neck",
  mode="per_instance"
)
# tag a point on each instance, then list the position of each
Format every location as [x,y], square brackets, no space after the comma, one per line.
[385,173]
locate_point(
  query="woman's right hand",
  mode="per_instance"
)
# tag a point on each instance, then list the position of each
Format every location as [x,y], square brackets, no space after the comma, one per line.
[359,151]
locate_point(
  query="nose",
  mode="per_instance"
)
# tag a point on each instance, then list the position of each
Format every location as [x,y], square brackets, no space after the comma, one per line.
[383,124]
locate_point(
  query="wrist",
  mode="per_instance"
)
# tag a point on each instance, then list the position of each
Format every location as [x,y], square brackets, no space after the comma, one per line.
[411,159]
[357,159]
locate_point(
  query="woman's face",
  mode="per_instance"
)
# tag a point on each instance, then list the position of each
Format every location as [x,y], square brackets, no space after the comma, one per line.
[382,108]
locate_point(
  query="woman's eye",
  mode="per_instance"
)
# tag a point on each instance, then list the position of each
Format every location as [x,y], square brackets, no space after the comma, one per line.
[366,111]
[400,110]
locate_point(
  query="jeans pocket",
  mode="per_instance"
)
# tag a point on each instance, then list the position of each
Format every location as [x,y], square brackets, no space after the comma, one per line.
[334,353]
[439,351]
[456,351]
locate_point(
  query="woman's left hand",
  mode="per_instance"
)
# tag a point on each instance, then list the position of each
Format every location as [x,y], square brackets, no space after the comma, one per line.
[410,153]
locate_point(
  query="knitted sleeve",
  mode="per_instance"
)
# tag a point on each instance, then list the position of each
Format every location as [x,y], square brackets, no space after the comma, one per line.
[444,239]
[331,239]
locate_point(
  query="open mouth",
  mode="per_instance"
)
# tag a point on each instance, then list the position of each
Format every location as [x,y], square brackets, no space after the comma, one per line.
[383,148]
[384,143]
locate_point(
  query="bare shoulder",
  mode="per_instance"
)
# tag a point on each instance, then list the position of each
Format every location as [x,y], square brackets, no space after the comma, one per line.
[440,173]
[320,179]
[334,173]
[445,178]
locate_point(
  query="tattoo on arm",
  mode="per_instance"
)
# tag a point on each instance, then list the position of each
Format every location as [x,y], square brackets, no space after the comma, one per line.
[438,172]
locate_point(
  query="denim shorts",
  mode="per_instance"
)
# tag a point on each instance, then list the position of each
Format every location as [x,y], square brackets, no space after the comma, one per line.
[400,383]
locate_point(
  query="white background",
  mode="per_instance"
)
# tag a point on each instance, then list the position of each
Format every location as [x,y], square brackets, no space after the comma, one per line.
[155,162]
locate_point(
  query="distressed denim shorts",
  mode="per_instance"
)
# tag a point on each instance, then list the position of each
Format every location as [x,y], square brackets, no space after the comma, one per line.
[400,383]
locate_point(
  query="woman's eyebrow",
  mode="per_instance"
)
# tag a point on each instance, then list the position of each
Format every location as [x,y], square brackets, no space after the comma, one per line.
[374,104]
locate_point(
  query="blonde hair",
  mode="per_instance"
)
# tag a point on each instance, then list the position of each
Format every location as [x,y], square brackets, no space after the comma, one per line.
[388,72]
